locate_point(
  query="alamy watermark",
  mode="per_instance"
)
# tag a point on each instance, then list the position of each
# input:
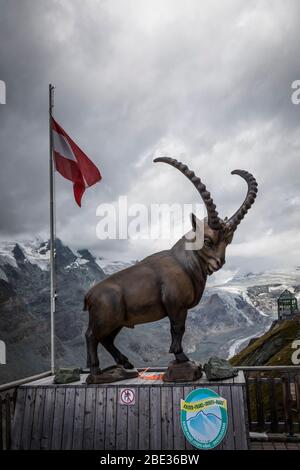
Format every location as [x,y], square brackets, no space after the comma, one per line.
[295,97]
[123,221]
[2,92]
[2,352]
[296,354]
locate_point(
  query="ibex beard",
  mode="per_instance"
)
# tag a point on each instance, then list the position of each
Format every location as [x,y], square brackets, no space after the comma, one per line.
[165,284]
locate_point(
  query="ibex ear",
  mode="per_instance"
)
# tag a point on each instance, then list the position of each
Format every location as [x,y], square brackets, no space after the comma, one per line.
[196,223]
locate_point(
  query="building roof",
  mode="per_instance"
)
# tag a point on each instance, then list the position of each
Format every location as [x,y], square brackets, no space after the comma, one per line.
[286,295]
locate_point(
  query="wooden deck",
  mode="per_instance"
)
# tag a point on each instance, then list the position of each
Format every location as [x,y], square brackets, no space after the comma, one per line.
[80,416]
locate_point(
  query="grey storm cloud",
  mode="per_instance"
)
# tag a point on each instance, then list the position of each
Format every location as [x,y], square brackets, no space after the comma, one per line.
[205,82]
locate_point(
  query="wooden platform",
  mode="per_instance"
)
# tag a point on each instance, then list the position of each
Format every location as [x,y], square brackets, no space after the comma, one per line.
[77,416]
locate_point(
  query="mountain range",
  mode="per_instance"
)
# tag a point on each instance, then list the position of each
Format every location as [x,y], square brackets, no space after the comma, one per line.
[229,314]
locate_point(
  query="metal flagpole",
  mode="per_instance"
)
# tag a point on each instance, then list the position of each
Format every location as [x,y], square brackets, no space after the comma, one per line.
[52,229]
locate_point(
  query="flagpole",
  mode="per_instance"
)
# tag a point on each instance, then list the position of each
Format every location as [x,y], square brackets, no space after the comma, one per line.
[52,230]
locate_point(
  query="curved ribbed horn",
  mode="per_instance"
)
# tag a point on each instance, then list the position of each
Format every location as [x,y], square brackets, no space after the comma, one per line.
[234,221]
[212,215]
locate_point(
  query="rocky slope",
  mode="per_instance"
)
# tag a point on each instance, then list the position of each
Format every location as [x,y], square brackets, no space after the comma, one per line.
[275,347]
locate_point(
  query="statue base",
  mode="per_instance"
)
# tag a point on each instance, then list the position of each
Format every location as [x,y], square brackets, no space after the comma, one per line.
[188,371]
[112,374]
[49,416]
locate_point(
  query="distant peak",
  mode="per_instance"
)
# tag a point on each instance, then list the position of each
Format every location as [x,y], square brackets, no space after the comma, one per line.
[86,254]
[18,253]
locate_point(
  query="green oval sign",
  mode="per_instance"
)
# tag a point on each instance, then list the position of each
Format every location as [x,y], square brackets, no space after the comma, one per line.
[204,418]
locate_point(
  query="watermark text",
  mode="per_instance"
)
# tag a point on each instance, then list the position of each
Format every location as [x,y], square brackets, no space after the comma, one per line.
[2,92]
[124,221]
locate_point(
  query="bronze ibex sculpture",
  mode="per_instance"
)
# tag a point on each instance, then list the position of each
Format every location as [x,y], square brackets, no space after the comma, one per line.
[165,284]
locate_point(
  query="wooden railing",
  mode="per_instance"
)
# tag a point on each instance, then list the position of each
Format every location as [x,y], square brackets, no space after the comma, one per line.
[273,399]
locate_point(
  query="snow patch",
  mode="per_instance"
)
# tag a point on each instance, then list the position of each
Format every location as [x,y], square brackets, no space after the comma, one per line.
[76,264]
[32,250]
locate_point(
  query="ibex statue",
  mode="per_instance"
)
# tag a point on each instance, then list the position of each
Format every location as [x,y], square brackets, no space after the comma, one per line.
[165,284]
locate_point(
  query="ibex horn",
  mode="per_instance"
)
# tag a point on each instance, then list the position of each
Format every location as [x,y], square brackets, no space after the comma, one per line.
[213,219]
[234,221]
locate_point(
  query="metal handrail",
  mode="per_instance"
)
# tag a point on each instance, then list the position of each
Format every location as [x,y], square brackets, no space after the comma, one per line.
[16,383]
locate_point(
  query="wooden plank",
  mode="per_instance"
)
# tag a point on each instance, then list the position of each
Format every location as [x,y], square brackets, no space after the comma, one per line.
[111,419]
[59,408]
[239,418]
[121,430]
[8,412]
[260,416]
[89,418]
[28,418]
[249,387]
[144,419]
[67,438]
[227,382]
[186,391]
[179,440]
[99,432]
[78,418]
[167,418]
[287,405]
[228,441]
[273,405]
[48,419]
[155,418]
[246,418]
[290,405]
[297,392]
[239,379]
[18,419]
[133,422]
[217,390]
[1,425]
[37,428]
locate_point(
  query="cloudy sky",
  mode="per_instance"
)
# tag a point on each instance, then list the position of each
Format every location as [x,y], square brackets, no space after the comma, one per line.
[208,83]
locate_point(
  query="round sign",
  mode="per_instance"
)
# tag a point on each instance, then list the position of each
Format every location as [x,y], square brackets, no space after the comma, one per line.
[204,418]
[127,396]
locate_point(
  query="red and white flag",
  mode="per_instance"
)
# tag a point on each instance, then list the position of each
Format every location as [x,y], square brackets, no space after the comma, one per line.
[72,163]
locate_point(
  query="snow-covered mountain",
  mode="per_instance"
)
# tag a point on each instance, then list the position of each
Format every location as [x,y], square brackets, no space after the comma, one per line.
[25,307]
[263,289]
[230,313]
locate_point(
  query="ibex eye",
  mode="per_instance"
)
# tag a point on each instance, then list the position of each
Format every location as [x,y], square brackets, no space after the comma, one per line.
[208,243]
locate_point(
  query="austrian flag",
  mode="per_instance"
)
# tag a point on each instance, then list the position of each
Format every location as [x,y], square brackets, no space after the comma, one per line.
[72,163]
